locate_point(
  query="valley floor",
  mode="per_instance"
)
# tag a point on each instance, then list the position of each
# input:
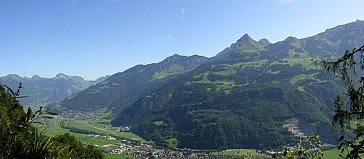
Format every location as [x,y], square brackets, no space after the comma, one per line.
[118,144]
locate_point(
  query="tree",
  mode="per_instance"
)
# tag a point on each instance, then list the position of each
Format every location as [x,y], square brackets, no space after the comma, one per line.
[20,139]
[349,113]
[75,149]
[308,149]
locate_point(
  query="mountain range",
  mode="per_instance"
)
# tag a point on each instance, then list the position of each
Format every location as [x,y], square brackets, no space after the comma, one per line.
[43,91]
[253,94]
[248,96]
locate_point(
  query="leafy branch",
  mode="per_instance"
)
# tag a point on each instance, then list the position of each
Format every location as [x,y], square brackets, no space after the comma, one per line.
[310,148]
[30,116]
[349,115]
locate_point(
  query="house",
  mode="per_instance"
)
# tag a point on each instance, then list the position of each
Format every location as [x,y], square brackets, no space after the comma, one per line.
[110,138]
[124,128]
[116,151]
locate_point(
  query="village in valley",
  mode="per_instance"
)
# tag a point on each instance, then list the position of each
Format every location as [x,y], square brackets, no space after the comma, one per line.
[93,128]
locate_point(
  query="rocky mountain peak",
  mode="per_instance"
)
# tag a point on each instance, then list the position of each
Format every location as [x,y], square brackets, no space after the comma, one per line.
[36,77]
[245,37]
[14,77]
[247,44]
[264,42]
[292,41]
[61,76]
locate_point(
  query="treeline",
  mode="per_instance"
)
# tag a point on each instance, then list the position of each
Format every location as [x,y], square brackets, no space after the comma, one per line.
[19,139]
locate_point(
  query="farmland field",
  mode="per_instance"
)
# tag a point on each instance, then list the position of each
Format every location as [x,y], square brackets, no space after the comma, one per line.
[333,154]
[239,152]
[55,128]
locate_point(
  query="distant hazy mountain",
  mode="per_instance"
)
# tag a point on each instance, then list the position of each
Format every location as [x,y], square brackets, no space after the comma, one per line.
[264,42]
[100,79]
[122,89]
[248,95]
[42,91]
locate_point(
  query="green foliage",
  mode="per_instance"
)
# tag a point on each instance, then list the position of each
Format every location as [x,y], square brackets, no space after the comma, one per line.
[20,139]
[334,153]
[349,115]
[172,142]
[311,150]
[302,77]
[174,69]
[163,134]
[75,149]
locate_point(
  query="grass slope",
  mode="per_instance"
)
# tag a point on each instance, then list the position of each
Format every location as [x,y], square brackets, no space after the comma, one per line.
[54,128]
[239,152]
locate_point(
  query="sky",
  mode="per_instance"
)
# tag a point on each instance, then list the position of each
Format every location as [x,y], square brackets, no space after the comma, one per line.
[93,38]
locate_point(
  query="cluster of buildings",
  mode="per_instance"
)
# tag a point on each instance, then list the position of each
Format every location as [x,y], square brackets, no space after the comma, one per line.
[78,115]
[110,138]
[125,128]
[169,154]
[146,151]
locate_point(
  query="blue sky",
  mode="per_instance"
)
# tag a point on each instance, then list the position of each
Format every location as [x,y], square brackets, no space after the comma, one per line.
[92,38]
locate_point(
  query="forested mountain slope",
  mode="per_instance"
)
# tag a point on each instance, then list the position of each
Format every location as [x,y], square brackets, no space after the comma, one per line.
[122,89]
[247,95]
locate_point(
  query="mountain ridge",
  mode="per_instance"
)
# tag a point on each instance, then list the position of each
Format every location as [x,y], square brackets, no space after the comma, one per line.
[123,88]
[42,91]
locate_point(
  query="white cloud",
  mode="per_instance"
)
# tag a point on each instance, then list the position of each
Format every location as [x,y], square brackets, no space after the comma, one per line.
[286,1]
[114,1]
[74,2]
[182,14]
[165,37]
[169,36]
